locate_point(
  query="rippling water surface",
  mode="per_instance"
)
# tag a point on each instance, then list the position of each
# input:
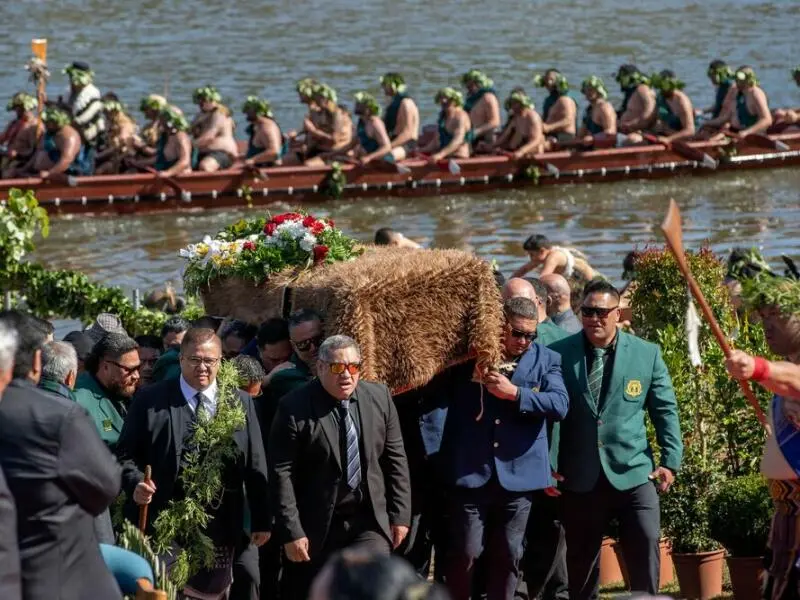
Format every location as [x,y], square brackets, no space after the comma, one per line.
[263,47]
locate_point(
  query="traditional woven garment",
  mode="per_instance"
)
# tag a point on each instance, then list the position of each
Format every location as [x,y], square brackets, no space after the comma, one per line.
[784,536]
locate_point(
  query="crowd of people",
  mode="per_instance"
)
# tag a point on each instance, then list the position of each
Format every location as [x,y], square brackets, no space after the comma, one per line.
[90,133]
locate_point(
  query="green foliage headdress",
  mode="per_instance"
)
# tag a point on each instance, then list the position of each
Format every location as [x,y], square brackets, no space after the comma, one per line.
[326,92]
[761,287]
[666,82]
[395,81]
[720,72]
[596,84]
[518,96]
[22,100]
[562,85]
[79,73]
[629,76]
[369,101]
[58,116]
[152,102]
[261,107]
[173,119]
[208,94]
[478,77]
[746,75]
[305,87]
[451,95]
[113,106]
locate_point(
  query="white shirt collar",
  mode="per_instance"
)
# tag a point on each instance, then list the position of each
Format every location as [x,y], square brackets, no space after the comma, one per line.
[189,393]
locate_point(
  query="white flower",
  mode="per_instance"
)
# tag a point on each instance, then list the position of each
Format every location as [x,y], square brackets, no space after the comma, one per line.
[307,242]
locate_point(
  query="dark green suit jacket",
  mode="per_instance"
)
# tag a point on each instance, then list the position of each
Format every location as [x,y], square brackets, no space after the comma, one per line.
[289,380]
[548,333]
[101,409]
[612,439]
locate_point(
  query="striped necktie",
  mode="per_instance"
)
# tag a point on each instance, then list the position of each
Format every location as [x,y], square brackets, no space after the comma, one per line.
[596,374]
[204,409]
[351,454]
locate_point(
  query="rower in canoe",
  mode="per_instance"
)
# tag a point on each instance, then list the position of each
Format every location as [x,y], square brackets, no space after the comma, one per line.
[19,137]
[265,142]
[453,127]
[212,130]
[151,107]
[401,116]
[61,151]
[122,139]
[559,111]
[789,116]
[638,110]
[751,111]
[721,76]
[174,152]
[298,140]
[600,118]
[85,104]
[372,139]
[524,134]
[483,108]
[567,262]
[335,130]
[674,108]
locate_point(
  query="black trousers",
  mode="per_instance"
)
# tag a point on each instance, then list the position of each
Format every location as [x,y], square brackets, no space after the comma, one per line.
[246,580]
[586,518]
[269,568]
[544,563]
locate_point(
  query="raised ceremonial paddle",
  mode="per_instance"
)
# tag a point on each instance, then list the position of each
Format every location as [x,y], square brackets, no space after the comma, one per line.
[671,226]
[148,474]
[176,187]
[685,150]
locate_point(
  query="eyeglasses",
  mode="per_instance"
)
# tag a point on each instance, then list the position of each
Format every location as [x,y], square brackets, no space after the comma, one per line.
[127,370]
[523,335]
[306,345]
[196,361]
[339,368]
[596,311]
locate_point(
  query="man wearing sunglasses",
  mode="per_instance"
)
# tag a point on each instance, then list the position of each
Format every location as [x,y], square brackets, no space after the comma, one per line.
[495,444]
[305,335]
[614,379]
[337,466]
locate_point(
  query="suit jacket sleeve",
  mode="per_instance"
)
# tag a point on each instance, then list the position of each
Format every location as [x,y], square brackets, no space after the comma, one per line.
[394,464]
[85,465]
[255,477]
[133,436]
[282,456]
[552,399]
[663,410]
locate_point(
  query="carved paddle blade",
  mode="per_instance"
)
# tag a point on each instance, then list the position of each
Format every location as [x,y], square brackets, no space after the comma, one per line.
[671,226]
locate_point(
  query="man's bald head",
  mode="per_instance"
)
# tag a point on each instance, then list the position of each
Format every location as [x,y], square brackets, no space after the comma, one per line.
[518,288]
[558,291]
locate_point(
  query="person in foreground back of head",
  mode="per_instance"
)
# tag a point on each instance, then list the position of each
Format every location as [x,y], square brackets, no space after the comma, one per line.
[61,475]
[338,468]
[387,236]
[614,379]
[358,575]
[10,586]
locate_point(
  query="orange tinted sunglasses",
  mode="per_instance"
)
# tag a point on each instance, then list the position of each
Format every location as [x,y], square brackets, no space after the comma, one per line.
[339,368]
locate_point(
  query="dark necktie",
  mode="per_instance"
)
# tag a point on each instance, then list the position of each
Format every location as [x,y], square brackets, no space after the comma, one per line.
[596,374]
[202,410]
[352,460]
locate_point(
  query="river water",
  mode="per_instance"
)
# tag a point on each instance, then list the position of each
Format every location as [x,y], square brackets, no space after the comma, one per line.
[250,46]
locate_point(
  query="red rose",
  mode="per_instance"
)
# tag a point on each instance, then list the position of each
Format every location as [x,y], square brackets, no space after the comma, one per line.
[248,245]
[270,228]
[317,227]
[293,216]
[320,252]
[330,223]
[278,219]
[309,221]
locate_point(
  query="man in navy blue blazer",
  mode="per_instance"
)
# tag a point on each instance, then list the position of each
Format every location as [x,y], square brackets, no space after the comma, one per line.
[495,445]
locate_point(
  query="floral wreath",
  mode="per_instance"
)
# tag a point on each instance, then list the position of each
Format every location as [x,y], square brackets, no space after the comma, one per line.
[173,119]
[22,100]
[720,73]
[451,95]
[476,76]
[208,93]
[77,75]
[395,81]
[369,101]
[747,76]
[261,107]
[152,102]
[326,92]
[562,85]
[594,83]
[666,82]
[113,106]
[305,87]
[521,97]
[629,76]
[56,115]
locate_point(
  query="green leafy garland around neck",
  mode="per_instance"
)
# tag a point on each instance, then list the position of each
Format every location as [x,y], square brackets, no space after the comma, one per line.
[184,521]
[134,540]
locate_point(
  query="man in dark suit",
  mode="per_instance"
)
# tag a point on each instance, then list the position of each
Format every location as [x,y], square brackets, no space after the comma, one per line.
[159,430]
[339,469]
[61,476]
[495,442]
[613,379]
[10,586]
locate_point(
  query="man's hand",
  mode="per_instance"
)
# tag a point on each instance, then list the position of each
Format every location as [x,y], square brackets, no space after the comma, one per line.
[143,493]
[297,551]
[259,538]
[552,491]
[740,365]
[399,533]
[663,477]
[500,386]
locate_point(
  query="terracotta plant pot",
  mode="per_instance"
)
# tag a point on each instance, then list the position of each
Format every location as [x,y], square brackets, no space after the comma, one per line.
[667,574]
[700,575]
[746,574]
[609,563]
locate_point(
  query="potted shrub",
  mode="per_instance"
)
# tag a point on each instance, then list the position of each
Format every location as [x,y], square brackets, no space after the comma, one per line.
[739,519]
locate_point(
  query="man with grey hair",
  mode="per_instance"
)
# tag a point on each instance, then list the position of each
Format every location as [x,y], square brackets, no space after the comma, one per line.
[348,486]
[59,369]
[9,552]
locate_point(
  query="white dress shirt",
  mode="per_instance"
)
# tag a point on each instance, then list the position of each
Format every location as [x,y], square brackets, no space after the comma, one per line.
[190,395]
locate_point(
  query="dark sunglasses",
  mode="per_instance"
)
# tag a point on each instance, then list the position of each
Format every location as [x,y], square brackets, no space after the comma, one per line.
[522,335]
[306,345]
[596,311]
[124,369]
[339,368]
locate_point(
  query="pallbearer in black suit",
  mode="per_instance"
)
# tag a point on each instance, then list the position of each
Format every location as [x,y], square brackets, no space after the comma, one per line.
[339,469]
[9,552]
[159,431]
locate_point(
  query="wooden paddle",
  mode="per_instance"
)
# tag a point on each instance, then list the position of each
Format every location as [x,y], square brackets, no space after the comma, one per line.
[671,226]
[148,478]
[764,141]
[176,187]
[381,164]
[444,164]
[685,150]
[549,167]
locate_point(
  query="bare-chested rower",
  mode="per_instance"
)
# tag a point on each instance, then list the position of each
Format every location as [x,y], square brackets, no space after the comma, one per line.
[19,137]
[401,116]
[453,126]
[554,259]
[265,143]
[372,139]
[638,110]
[600,118]
[789,116]
[524,134]
[674,108]
[60,151]
[151,107]
[298,151]
[560,110]
[335,132]
[482,106]
[748,112]
[174,148]
[212,130]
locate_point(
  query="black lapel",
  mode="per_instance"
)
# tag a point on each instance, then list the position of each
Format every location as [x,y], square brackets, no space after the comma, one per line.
[177,415]
[323,412]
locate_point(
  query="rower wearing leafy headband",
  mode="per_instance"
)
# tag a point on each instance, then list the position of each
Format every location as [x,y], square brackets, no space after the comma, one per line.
[61,151]
[372,139]
[560,109]
[789,116]
[600,118]
[85,104]
[453,127]
[675,110]
[401,116]
[122,138]
[312,122]
[638,110]
[265,143]
[19,137]
[721,76]
[524,134]
[482,106]
[151,107]
[212,129]
[174,152]
[335,133]
[750,113]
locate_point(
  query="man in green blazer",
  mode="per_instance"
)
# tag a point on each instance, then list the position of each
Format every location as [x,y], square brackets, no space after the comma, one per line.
[613,379]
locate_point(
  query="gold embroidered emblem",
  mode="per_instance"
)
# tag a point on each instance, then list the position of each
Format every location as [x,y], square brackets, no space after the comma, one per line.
[535,389]
[634,388]
[107,426]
